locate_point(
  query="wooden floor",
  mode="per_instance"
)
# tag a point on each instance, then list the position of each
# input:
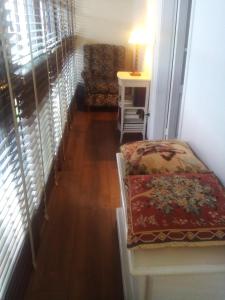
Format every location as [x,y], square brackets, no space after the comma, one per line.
[79,256]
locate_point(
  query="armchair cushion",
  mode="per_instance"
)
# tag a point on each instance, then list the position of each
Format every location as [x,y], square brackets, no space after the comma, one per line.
[108,100]
[100,86]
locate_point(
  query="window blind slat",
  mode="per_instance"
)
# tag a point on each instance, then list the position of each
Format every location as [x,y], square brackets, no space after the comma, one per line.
[36,88]
[12,221]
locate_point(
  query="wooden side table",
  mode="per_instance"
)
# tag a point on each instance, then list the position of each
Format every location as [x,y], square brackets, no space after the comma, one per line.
[132,118]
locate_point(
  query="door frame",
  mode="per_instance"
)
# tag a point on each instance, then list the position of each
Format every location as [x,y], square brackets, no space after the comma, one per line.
[178,68]
[163,109]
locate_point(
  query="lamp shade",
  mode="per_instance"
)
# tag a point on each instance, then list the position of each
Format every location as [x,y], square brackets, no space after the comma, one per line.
[138,37]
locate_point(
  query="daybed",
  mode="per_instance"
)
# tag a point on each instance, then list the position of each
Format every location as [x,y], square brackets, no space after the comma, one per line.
[171,224]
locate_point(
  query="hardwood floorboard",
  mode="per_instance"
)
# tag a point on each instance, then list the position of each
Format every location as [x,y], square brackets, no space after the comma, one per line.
[78,257]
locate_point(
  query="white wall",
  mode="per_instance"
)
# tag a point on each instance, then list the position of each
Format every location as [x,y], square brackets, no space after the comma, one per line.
[103,21]
[146,17]
[203,119]
[140,11]
[111,21]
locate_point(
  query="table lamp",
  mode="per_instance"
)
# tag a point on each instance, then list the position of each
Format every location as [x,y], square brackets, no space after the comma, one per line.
[137,38]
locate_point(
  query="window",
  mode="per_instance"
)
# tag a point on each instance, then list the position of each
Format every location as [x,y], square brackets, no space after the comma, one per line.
[36,89]
[12,210]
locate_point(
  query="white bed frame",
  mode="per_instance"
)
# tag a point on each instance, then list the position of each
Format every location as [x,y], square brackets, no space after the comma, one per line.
[187,273]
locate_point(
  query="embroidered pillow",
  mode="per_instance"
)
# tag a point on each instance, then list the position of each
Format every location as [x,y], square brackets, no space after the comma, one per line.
[151,157]
[175,210]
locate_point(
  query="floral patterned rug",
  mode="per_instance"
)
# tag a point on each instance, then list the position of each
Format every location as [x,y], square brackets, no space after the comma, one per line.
[185,209]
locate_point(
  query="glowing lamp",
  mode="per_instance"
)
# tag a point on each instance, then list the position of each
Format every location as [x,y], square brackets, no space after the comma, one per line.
[137,38]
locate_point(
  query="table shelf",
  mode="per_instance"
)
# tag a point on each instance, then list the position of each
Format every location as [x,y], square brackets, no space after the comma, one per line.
[131,117]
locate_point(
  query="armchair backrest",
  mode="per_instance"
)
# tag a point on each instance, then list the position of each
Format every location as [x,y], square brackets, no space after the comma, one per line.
[103,61]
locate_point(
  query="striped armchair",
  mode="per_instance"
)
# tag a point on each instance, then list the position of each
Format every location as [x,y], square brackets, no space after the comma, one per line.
[101,63]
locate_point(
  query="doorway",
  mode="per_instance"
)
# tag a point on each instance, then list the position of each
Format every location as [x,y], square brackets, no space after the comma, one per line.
[169,69]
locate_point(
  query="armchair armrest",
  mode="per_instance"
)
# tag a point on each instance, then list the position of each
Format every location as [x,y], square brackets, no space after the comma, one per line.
[87,76]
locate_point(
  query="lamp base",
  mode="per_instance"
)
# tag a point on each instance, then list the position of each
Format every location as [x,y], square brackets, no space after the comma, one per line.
[135,73]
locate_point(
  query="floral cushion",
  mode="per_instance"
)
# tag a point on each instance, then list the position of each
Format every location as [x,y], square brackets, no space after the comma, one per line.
[100,100]
[103,86]
[150,157]
[175,210]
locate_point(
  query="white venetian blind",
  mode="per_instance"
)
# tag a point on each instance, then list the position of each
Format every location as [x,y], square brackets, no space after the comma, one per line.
[36,88]
[12,210]
[24,92]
